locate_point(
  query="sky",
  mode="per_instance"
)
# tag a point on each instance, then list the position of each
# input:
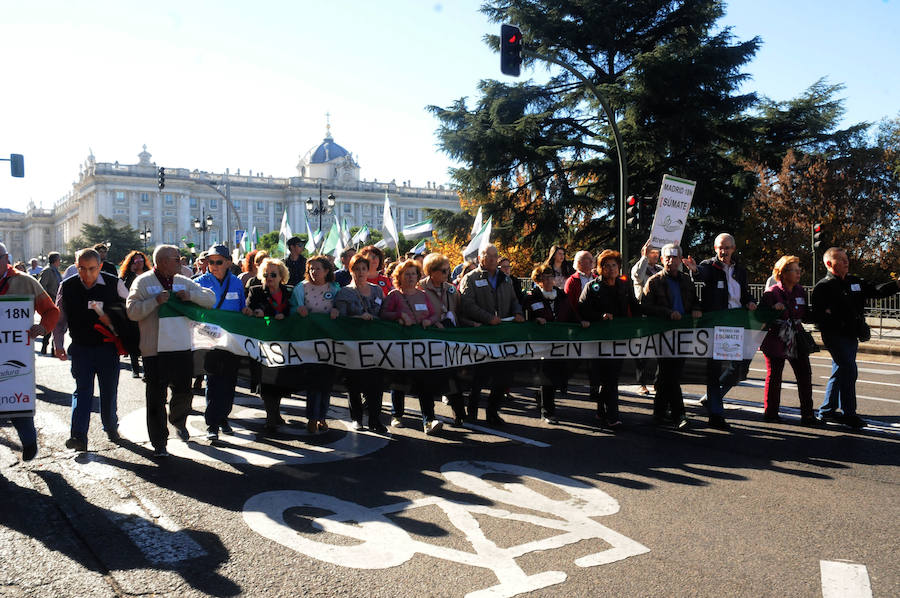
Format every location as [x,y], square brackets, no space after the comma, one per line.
[246,86]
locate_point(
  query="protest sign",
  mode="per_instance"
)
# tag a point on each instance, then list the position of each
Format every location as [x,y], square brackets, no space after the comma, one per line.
[17,367]
[728,343]
[672,209]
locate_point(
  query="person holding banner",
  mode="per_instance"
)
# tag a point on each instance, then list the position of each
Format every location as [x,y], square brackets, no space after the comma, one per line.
[782,342]
[609,298]
[670,294]
[316,295]
[14,282]
[725,288]
[490,299]
[646,266]
[838,306]
[86,303]
[408,305]
[364,300]
[376,263]
[168,369]
[221,366]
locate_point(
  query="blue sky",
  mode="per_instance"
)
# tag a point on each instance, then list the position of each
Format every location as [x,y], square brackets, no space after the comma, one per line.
[216,85]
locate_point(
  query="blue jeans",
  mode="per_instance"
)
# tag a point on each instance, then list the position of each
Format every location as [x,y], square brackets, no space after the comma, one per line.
[25,427]
[840,392]
[317,403]
[101,361]
[219,398]
[721,376]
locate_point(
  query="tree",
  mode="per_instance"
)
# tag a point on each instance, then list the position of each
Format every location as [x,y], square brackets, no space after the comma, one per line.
[121,238]
[540,159]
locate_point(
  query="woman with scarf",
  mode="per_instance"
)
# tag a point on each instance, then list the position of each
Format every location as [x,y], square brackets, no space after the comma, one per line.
[782,343]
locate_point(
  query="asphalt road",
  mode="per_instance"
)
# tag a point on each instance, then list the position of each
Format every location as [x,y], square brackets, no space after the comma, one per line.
[539,510]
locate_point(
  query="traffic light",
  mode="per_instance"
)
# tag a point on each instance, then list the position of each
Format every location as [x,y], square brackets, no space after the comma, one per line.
[17,165]
[633,212]
[510,50]
[161,178]
[817,235]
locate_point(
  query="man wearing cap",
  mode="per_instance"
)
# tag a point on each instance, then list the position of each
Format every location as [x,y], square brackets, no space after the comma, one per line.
[670,294]
[105,266]
[295,261]
[838,309]
[168,369]
[13,282]
[725,288]
[50,279]
[220,365]
[86,303]
[200,265]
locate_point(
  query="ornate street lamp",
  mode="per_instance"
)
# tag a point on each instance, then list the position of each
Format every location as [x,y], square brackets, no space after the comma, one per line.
[321,207]
[202,225]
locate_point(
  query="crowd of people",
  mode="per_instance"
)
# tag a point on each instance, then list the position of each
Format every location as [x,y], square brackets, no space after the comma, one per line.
[109,311]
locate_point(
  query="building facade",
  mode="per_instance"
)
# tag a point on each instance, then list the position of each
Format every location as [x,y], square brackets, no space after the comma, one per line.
[128,194]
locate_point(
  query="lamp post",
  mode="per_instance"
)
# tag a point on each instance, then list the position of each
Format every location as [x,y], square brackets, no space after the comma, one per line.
[42,258]
[322,207]
[202,224]
[145,236]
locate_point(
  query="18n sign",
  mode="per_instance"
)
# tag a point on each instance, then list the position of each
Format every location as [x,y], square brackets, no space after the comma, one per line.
[16,356]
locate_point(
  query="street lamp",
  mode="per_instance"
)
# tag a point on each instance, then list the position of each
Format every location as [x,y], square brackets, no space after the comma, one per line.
[41,257]
[145,236]
[322,207]
[202,224]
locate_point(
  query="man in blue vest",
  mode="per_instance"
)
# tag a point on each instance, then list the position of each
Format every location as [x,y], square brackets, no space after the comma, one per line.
[86,304]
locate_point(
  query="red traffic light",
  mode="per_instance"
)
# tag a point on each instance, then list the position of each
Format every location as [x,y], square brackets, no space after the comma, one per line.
[631,200]
[817,228]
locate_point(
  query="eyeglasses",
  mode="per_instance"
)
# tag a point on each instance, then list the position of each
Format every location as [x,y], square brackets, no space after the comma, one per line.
[215,262]
[609,265]
[3,255]
[272,275]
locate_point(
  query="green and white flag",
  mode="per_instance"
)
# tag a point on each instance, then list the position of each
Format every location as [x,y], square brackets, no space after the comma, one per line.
[354,344]
[254,239]
[419,249]
[389,227]
[478,242]
[418,230]
[361,236]
[245,243]
[332,240]
[284,234]
[476,226]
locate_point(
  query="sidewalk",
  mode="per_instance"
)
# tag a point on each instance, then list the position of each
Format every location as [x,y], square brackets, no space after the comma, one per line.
[885,339]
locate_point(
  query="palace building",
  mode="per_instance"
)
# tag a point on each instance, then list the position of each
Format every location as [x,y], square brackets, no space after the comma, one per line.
[128,194]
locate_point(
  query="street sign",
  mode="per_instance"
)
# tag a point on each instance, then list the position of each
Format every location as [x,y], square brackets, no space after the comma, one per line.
[17,361]
[672,209]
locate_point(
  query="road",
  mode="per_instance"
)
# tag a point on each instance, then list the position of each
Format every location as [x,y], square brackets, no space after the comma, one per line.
[538,510]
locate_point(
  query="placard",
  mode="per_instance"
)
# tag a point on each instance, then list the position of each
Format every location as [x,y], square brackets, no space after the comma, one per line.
[17,362]
[728,343]
[672,209]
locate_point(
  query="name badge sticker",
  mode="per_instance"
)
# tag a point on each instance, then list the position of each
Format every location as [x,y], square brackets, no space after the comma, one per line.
[721,284]
[537,306]
[177,287]
[420,307]
[481,283]
[231,295]
[800,301]
[154,289]
[855,287]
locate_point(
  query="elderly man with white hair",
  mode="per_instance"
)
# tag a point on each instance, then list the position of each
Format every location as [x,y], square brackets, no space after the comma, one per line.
[162,370]
[584,263]
[725,288]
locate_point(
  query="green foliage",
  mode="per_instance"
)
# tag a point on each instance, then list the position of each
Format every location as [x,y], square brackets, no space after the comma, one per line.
[121,239]
[269,242]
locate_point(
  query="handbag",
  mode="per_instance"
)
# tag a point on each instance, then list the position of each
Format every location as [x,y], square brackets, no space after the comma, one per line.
[807,342]
[863,332]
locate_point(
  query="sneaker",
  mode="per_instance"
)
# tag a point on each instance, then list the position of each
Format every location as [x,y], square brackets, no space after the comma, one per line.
[356,426]
[682,423]
[810,420]
[854,421]
[377,428]
[703,400]
[212,434]
[322,426]
[226,428]
[182,431]
[396,423]
[445,400]
[551,420]
[29,451]
[458,422]
[718,422]
[432,427]
[160,452]
[135,374]
[831,416]
[80,446]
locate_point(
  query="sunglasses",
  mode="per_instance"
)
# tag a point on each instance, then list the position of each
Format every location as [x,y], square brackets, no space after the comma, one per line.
[273,275]
[215,262]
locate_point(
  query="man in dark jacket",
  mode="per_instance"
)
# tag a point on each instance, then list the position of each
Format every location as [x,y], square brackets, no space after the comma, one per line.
[838,304]
[725,288]
[295,261]
[671,295]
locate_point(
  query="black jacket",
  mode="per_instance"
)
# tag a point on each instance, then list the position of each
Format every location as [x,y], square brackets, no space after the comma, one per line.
[259,297]
[838,304]
[715,292]
[658,302]
[598,298]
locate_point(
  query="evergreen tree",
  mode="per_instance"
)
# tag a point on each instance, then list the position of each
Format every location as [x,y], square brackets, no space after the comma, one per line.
[121,238]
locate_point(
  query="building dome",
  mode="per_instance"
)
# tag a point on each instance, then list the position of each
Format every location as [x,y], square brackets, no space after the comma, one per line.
[329,161]
[326,151]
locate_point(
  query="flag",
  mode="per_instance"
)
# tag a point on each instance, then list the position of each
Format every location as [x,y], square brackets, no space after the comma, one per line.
[310,240]
[254,239]
[245,242]
[478,242]
[389,227]
[345,234]
[381,244]
[476,227]
[361,236]
[419,249]
[332,240]
[284,234]
[418,230]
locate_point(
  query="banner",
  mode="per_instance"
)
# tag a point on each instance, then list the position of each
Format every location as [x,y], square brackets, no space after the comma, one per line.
[357,344]
[672,209]
[17,367]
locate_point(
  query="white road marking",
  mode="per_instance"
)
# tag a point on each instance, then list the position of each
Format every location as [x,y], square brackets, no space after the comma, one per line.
[793,386]
[868,382]
[155,535]
[384,544]
[827,358]
[842,579]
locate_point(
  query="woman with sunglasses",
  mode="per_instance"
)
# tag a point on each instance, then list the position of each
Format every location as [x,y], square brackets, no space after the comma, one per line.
[362,299]
[271,298]
[134,264]
[316,295]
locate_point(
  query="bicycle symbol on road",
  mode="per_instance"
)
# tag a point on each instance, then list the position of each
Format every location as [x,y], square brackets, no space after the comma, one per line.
[383,544]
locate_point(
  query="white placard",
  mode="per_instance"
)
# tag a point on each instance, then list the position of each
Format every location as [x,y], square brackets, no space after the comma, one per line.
[728,343]
[17,361]
[672,209]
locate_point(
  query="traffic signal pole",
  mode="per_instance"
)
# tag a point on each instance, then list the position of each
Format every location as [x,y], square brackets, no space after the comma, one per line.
[506,31]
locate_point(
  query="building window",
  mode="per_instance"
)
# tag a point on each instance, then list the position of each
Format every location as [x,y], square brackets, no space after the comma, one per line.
[120,197]
[236,203]
[120,212]
[170,213]
[367,209]
[193,202]
[214,204]
[410,214]
[146,212]
[348,209]
[170,237]
[170,201]
[278,207]
[213,236]
[145,198]
[260,206]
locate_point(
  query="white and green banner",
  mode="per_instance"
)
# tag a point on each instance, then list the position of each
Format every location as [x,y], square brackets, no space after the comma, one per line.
[17,361]
[357,344]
